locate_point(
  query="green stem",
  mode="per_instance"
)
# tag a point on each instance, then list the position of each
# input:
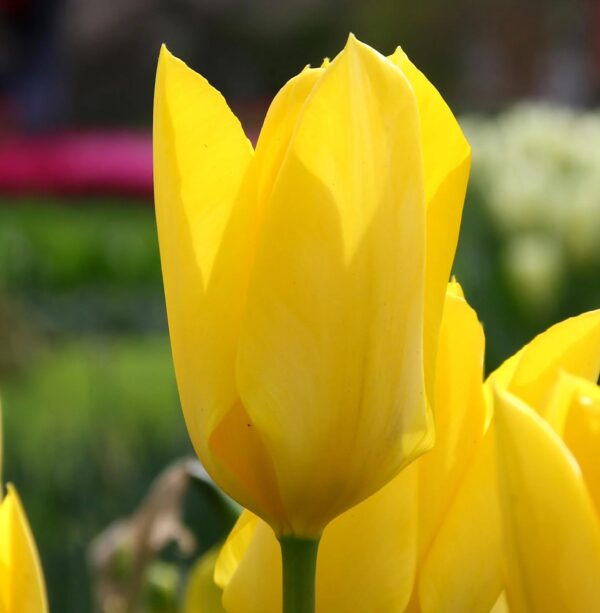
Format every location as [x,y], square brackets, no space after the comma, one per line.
[299,560]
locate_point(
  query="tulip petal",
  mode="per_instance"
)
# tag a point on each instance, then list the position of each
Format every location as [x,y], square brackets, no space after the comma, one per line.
[366,558]
[234,442]
[551,529]
[460,413]
[201,592]
[278,129]
[462,569]
[582,436]
[22,587]
[574,413]
[249,568]
[201,159]
[235,548]
[572,345]
[447,161]
[331,348]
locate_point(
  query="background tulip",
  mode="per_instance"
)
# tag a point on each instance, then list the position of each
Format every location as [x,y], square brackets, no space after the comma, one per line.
[303,296]
[21,582]
[548,469]
[474,533]
[22,587]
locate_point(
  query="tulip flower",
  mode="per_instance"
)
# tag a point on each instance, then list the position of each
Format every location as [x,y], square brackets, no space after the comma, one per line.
[21,581]
[304,280]
[22,587]
[383,555]
[432,540]
[548,439]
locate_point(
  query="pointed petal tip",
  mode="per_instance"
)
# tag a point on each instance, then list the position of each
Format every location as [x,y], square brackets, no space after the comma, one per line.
[12,494]
[361,51]
[165,62]
[164,54]
[399,55]
[454,288]
[171,61]
[354,44]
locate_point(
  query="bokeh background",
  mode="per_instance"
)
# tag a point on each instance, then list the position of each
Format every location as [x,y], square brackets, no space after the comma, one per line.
[91,412]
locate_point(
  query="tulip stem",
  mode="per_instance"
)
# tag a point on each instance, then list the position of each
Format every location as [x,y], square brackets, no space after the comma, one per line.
[299,561]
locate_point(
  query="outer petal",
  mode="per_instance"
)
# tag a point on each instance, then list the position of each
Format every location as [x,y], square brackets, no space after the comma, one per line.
[235,442]
[250,572]
[22,587]
[209,190]
[447,161]
[462,569]
[458,521]
[459,414]
[201,592]
[201,156]
[572,345]
[366,558]
[235,548]
[331,344]
[552,533]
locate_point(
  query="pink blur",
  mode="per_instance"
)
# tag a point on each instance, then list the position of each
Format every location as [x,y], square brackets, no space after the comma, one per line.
[102,163]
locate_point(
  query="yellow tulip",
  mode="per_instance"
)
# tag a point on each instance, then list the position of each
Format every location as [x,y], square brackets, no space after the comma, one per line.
[304,280]
[383,555]
[21,581]
[432,540]
[22,588]
[548,437]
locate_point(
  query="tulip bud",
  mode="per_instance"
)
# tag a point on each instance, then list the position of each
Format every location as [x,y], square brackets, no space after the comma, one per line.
[304,281]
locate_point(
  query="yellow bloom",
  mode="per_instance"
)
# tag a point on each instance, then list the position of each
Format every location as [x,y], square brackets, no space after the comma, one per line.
[22,587]
[432,540]
[21,581]
[548,437]
[304,281]
[383,555]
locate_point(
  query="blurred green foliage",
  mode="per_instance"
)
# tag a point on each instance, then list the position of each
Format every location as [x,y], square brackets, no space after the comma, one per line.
[88,424]
[529,252]
[76,267]
[58,246]
[91,411]
[90,402]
